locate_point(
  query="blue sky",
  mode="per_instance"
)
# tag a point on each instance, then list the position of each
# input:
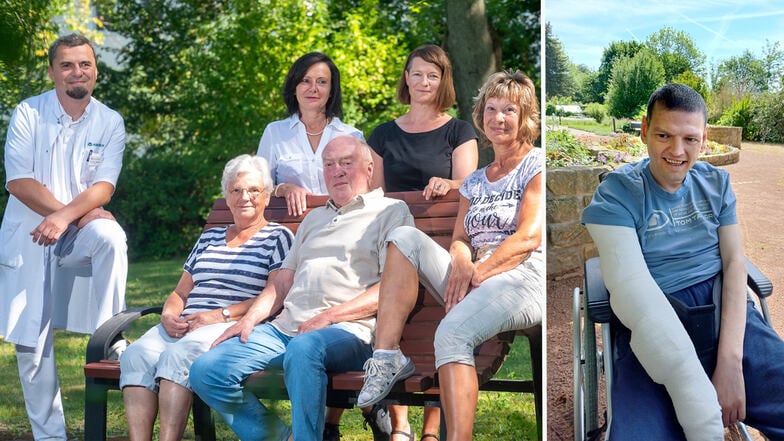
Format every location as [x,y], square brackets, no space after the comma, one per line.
[719,28]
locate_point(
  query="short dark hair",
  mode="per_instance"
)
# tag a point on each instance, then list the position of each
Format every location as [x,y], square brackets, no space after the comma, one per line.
[677,96]
[70,40]
[445,96]
[297,73]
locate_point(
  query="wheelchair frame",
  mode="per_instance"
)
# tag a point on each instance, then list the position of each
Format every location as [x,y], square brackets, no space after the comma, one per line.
[591,306]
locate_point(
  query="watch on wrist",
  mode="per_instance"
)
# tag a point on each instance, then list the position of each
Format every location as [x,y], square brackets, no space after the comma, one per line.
[226,314]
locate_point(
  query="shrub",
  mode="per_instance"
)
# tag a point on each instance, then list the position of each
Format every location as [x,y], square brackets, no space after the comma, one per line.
[596,111]
[564,150]
[767,120]
[162,200]
[739,114]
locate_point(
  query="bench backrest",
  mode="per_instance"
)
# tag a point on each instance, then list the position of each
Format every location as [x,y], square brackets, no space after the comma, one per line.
[437,219]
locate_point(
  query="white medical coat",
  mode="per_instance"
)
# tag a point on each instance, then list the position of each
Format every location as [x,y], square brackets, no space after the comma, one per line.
[34,127]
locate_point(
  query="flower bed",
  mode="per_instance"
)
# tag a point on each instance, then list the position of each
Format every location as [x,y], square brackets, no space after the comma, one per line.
[565,149]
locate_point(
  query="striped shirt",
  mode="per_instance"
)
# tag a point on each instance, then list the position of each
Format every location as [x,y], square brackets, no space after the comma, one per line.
[224,275]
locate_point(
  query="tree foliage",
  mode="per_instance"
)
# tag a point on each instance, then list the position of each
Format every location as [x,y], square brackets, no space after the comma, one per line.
[558,78]
[677,52]
[752,74]
[199,80]
[204,90]
[517,23]
[695,82]
[614,51]
[203,79]
[631,83]
[27,29]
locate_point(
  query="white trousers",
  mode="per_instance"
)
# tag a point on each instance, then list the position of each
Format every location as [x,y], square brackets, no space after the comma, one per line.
[98,258]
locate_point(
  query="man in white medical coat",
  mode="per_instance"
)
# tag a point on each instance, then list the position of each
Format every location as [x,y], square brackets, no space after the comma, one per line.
[63,261]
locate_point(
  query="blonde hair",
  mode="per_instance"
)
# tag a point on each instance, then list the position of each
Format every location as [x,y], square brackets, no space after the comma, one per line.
[517,88]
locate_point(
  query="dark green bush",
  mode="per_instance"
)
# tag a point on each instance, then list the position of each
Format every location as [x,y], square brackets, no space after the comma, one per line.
[739,114]
[767,122]
[162,202]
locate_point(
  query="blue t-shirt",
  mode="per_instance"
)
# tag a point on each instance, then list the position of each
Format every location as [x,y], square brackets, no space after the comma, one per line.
[678,232]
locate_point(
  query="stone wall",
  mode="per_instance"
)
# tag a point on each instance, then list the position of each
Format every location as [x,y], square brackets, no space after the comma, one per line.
[725,135]
[569,190]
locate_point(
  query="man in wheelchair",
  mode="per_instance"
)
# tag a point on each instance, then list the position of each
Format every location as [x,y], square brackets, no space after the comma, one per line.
[667,225]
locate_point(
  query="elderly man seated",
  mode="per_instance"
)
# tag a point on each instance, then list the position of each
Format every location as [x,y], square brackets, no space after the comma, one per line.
[328,288]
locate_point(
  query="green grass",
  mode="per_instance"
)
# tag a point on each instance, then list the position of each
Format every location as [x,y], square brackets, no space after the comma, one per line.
[499,415]
[588,124]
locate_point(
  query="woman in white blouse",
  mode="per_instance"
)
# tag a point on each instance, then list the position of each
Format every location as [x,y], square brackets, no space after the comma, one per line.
[293,146]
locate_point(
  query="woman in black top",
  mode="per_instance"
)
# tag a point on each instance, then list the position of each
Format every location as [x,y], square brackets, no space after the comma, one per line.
[424,149]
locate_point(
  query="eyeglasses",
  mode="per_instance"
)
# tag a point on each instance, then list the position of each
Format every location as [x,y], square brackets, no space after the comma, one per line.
[253,192]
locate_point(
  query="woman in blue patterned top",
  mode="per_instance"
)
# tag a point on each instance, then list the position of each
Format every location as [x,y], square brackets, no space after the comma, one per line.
[227,268]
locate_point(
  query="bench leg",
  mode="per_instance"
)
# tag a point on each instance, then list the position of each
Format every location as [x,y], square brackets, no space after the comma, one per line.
[94,410]
[535,346]
[443,433]
[203,422]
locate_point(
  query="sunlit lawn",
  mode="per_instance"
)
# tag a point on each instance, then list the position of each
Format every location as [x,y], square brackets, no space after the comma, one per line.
[587,124]
[500,416]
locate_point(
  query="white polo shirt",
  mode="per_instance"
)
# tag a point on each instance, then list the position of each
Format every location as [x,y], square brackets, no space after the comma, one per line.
[338,254]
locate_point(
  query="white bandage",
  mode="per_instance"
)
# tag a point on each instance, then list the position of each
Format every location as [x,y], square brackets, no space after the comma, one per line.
[658,338]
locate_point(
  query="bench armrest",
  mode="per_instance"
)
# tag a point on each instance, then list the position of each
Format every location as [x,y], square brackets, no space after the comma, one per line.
[103,337]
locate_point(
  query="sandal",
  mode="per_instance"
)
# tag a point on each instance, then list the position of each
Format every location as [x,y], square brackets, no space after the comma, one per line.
[410,434]
[428,435]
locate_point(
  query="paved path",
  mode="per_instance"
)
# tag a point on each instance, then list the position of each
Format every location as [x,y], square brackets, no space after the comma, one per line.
[758,181]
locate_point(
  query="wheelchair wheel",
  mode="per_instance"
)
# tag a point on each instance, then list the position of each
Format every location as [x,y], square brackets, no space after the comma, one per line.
[585,370]
[577,370]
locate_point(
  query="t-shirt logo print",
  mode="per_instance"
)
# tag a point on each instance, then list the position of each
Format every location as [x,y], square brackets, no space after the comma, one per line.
[658,220]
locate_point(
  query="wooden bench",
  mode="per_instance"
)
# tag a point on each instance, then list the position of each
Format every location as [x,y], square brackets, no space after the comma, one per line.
[437,219]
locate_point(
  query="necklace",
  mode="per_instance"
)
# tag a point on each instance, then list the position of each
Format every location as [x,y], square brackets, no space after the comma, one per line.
[319,133]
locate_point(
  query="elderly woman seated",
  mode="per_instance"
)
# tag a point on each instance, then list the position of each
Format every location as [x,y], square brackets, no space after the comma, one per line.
[227,268]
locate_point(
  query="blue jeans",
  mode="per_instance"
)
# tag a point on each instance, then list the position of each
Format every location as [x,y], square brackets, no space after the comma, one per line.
[642,409]
[217,378]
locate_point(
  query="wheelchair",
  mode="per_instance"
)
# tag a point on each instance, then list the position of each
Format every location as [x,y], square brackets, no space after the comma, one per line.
[591,306]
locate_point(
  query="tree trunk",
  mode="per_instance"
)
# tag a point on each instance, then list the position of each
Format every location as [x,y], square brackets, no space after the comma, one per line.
[474,50]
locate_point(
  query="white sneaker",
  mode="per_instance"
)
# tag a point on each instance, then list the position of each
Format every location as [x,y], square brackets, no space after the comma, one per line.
[380,375]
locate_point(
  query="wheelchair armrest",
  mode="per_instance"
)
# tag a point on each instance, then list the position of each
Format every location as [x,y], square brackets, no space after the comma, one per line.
[757,281]
[597,298]
[104,336]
